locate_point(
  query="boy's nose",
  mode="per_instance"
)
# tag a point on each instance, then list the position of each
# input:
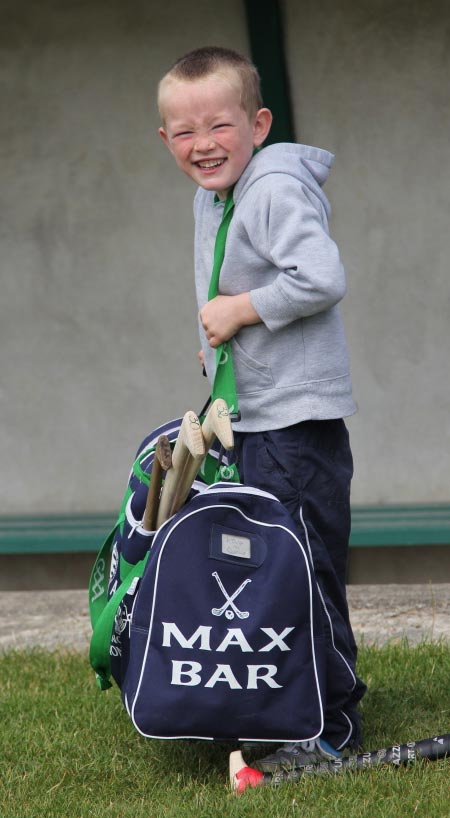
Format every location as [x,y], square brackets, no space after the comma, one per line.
[204,142]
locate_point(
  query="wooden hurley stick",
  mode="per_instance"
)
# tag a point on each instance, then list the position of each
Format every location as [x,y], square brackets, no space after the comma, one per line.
[190,444]
[194,441]
[217,423]
[162,463]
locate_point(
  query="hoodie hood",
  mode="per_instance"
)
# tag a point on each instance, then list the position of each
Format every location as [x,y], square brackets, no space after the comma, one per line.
[311,166]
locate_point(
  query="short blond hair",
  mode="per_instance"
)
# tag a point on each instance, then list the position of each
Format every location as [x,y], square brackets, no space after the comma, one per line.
[202,62]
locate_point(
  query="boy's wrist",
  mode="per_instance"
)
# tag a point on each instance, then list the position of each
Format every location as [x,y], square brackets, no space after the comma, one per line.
[245,311]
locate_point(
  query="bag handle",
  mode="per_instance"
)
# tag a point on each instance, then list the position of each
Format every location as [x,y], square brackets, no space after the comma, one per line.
[101,637]
[224,385]
[103,611]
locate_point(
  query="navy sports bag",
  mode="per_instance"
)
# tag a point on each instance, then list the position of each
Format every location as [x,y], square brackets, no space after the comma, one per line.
[211,626]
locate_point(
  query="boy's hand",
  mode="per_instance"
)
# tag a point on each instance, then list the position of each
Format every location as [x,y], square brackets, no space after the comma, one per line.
[224,315]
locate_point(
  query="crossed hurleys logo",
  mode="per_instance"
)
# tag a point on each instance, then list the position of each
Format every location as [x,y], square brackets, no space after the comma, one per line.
[229,608]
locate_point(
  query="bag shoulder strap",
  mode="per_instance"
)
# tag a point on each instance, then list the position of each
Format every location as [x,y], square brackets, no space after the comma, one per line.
[224,385]
[101,637]
[98,582]
[102,611]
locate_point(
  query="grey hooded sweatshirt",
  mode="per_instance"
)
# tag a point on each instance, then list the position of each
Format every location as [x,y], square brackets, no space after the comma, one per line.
[293,366]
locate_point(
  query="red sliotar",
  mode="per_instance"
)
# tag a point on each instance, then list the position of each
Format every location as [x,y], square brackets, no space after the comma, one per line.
[248,777]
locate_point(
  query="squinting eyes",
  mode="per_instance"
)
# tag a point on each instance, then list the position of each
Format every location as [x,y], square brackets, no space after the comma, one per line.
[219,127]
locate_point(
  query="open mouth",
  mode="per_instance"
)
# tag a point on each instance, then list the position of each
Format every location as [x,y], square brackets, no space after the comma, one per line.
[209,164]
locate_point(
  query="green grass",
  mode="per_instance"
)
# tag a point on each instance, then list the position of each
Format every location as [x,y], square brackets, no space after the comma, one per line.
[69,751]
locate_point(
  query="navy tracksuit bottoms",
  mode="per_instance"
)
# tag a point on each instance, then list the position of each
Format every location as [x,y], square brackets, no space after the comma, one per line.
[309,467]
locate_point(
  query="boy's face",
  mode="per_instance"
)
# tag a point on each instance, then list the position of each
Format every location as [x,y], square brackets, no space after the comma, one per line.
[209,134]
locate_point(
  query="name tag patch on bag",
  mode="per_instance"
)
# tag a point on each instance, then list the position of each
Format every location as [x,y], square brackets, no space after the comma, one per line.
[235,546]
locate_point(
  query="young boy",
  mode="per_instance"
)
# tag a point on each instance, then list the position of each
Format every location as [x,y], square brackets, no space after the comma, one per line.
[280,282]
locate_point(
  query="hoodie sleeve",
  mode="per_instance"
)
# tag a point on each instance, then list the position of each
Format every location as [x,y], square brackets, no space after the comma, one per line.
[287,225]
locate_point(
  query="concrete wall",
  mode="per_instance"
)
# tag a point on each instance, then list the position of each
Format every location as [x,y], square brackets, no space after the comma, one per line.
[98,318]
[370,82]
[97,313]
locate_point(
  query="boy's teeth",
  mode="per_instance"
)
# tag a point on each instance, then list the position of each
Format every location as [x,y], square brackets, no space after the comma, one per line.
[212,163]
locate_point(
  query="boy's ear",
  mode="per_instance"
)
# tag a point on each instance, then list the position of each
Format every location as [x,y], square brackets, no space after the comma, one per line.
[164,138]
[261,126]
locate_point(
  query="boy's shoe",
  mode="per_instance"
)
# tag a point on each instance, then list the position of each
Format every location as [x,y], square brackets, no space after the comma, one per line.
[297,754]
